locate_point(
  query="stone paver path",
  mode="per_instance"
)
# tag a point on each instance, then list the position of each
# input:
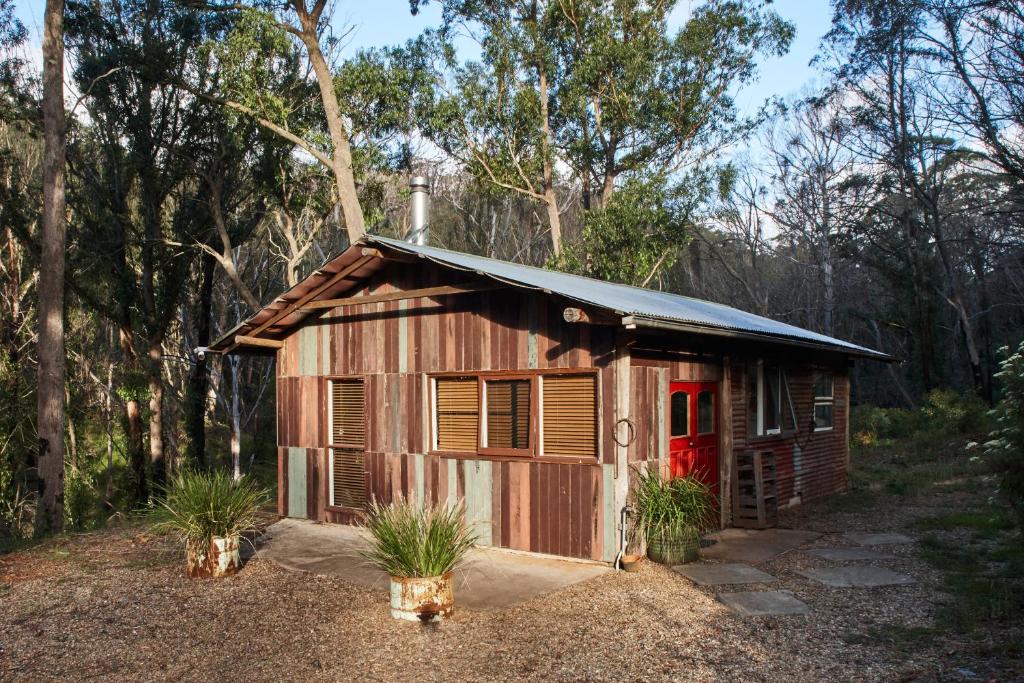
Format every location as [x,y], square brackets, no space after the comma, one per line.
[861,538]
[722,574]
[856,576]
[754,546]
[763,603]
[849,554]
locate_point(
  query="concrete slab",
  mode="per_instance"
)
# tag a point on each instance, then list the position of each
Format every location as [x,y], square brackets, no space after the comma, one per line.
[857,576]
[722,574]
[849,554]
[488,579]
[763,603]
[862,538]
[755,546]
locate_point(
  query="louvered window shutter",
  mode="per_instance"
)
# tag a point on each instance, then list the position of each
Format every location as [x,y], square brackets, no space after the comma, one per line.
[348,441]
[458,413]
[508,414]
[569,415]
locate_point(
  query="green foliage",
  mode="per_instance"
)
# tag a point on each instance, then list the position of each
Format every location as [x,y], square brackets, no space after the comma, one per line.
[634,236]
[671,507]
[410,540]
[1004,451]
[81,500]
[943,413]
[255,57]
[199,506]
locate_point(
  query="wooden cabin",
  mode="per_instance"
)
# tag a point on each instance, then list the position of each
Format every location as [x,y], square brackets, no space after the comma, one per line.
[407,370]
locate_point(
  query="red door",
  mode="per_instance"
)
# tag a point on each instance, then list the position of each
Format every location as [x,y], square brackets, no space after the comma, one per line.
[693,421]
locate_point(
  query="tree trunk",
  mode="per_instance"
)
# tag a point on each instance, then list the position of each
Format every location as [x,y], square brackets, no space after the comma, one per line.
[133,425]
[236,419]
[198,381]
[550,198]
[341,156]
[157,457]
[50,403]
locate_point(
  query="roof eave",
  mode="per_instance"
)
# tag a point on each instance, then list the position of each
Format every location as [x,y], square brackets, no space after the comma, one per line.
[637,321]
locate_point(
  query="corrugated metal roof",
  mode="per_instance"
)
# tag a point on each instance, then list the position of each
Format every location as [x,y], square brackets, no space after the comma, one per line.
[642,307]
[626,300]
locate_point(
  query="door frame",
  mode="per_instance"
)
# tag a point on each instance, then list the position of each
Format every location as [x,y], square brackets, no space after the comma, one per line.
[725,435]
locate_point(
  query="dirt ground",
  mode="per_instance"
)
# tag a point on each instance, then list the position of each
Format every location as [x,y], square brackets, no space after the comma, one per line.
[115,605]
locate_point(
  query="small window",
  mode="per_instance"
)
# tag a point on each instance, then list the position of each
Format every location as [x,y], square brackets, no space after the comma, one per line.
[569,415]
[508,414]
[705,412]
[680,413]
[347,419]
[769,405]
[457,411]
[824,401]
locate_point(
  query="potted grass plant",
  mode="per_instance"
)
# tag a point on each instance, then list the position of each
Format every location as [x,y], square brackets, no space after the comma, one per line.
[672,513]
[209,512]
[418,546]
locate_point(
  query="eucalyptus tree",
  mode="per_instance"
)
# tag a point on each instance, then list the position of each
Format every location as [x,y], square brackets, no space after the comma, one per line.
[50,348]
[594,96]
[902,133]
[20,178]
[143,171]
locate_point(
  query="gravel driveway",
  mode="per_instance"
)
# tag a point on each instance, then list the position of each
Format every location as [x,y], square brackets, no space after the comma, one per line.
[116,606]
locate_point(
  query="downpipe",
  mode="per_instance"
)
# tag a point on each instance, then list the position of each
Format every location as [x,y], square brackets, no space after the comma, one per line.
[624,514]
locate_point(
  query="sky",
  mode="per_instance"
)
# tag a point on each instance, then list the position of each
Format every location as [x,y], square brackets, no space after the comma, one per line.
[389,22]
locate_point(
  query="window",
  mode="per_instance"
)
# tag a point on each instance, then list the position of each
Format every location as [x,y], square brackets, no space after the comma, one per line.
[824,401]
[508,414]
[347,419]
[680,413]
[769,407]
[706,412]
[457,414]
[569,415]
[528,414]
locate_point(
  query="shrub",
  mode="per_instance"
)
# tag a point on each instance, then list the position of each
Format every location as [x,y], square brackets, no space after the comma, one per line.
[951,412]
[81,502]
[200,506]
[1004,451]
[671,507]
[415,541]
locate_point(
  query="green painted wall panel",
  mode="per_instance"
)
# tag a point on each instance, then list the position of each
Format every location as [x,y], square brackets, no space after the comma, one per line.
[478,499]
[297,482]
[308,340]
[610,517]
[420,492]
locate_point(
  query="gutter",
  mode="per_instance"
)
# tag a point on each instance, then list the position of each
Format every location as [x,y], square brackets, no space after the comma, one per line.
[632,322]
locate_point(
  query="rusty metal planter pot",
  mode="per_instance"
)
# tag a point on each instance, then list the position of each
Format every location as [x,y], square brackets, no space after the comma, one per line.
[423,599]
[219,559]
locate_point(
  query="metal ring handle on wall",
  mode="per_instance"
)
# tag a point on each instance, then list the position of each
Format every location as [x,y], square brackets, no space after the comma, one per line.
[631,431]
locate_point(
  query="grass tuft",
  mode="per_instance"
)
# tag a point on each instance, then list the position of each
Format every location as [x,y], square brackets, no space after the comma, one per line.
[200,506]
[410,540]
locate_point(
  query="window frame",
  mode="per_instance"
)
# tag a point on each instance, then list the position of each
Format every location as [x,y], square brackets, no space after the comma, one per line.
[535,452]
[329,446]
[822,400]
[532,424]
[784,404]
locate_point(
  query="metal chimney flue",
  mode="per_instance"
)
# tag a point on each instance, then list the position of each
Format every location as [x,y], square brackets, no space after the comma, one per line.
[419,211]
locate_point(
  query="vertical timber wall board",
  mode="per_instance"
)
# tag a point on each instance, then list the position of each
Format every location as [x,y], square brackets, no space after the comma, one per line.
[563,509]
[555,508]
